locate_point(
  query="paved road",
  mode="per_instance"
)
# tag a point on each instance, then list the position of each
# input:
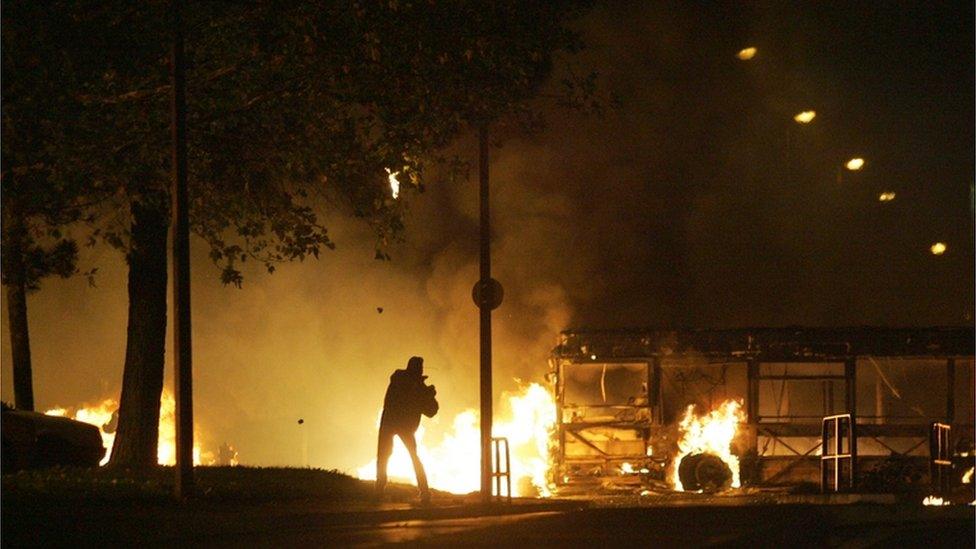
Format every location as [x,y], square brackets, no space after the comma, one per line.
[747,526]
[688,525]
[782,526]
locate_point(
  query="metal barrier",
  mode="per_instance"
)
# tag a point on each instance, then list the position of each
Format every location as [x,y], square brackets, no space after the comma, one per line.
[940,456]
[497,471]
[838,453]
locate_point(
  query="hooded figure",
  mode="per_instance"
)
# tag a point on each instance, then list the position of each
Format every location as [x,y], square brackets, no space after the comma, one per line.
[407,398]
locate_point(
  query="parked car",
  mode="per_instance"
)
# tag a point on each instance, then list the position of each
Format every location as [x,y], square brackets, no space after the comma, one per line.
[34,440]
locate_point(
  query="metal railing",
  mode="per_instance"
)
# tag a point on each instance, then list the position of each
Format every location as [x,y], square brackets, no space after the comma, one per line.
[498,472]
[838,456]
[940,456]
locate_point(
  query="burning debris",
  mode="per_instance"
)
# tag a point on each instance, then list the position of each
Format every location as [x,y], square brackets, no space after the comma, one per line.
[703,473]
[934,501]
[655,410]
[704,460]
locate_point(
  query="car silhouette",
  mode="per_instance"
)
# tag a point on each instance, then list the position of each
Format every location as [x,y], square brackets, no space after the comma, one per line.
[34,440]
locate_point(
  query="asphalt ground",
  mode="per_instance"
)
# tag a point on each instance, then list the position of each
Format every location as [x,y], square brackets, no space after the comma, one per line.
[605,522]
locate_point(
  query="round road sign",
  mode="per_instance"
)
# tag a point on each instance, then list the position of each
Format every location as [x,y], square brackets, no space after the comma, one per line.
[493,296]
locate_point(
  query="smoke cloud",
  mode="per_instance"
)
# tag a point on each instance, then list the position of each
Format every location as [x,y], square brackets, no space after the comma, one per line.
[696,203]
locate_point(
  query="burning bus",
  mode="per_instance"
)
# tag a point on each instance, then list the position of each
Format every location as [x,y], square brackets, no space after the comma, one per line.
[706,410]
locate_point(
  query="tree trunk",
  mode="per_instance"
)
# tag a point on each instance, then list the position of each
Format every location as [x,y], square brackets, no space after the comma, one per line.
[136,440]
[15,280]
[20,346]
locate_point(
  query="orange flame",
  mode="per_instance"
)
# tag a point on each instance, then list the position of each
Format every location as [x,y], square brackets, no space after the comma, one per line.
[100,415]
[934,501]
[453,465]
[713,434]
[394,183]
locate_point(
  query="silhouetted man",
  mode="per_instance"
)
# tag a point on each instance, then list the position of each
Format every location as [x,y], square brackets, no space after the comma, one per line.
[407,398]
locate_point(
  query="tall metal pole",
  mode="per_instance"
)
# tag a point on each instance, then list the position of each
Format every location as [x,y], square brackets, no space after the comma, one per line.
[485,314]
[182,351]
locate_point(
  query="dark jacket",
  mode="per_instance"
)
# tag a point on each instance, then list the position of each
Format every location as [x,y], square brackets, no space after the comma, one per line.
[406,399]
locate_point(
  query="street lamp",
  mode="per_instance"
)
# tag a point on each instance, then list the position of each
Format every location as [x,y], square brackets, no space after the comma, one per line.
[805,117]
[746,54]
[853,165]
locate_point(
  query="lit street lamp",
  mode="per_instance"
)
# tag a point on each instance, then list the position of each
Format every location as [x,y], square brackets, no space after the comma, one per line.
[805,117]
[746,54]
[853,165]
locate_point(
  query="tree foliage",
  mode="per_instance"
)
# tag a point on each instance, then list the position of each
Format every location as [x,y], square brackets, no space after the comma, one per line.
[293,109]
[291,106]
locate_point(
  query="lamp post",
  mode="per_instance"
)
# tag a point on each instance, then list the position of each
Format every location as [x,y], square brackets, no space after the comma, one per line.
[484,307]
[487,295]
[182,350]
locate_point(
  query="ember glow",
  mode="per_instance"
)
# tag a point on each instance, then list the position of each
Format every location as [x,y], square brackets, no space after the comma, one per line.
[938,248]
[934,500]
[854,164]
[886,196]
[805,117]
[453,464]
[710,434]
[967,477]
[100,415]
[746,54]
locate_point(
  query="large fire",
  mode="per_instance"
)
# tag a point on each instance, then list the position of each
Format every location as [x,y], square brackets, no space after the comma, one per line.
[453,465]
[101,416]
[709,434]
